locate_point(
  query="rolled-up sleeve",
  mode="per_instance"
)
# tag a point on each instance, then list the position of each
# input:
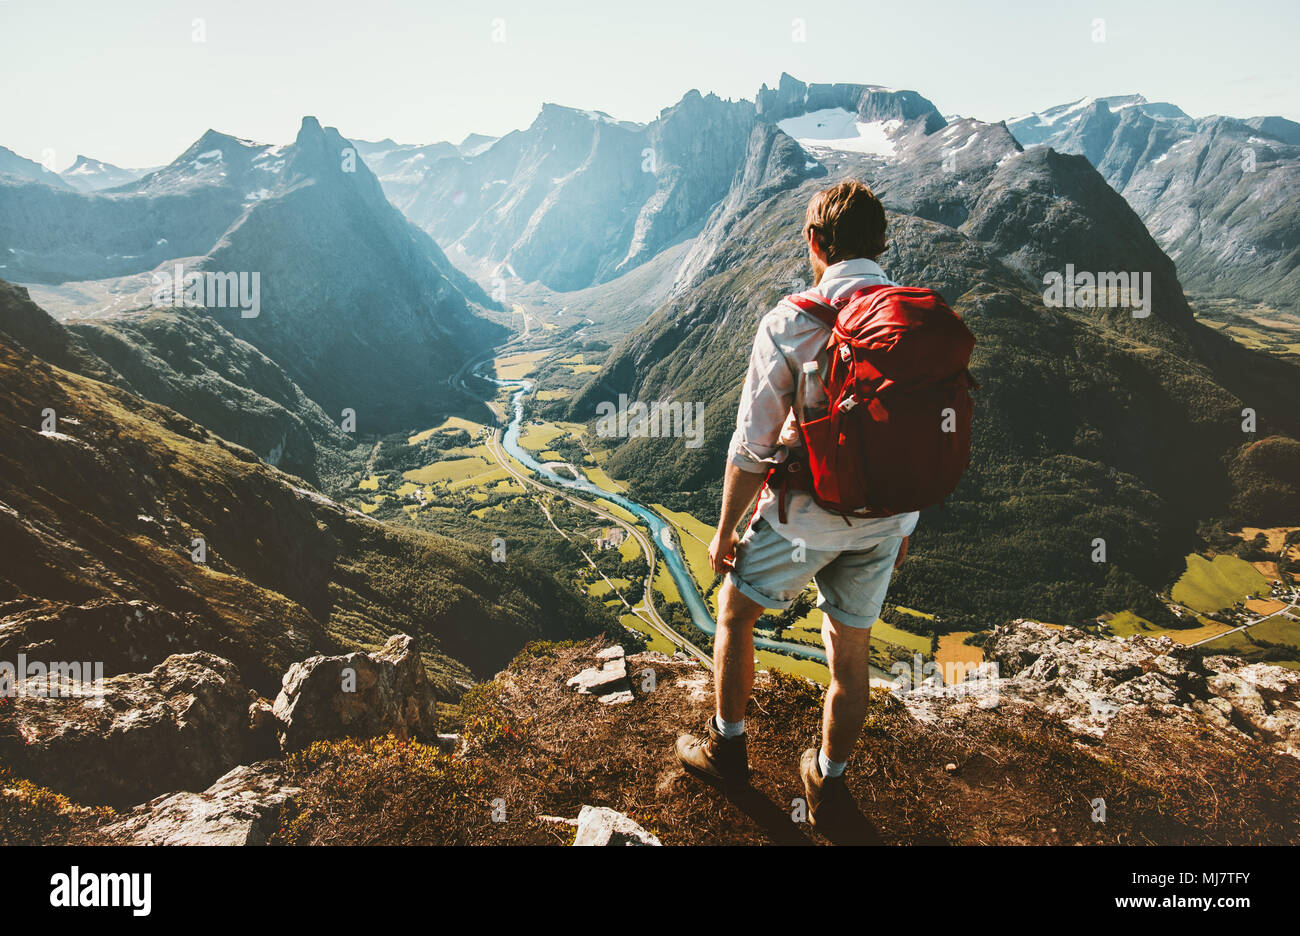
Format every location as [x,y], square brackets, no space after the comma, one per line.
[765,402]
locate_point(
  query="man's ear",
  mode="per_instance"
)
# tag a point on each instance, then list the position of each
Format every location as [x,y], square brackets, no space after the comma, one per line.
[810,235]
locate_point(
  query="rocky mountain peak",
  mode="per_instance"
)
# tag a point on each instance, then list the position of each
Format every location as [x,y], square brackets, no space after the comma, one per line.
[309,129]
[793,97]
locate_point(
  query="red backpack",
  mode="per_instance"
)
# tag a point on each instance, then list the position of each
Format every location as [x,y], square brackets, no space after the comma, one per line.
[898,434]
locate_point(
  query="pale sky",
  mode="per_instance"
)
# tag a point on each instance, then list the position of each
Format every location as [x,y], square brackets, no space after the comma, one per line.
[126,82]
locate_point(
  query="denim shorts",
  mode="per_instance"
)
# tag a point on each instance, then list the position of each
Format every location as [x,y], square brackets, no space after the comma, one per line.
[773,571]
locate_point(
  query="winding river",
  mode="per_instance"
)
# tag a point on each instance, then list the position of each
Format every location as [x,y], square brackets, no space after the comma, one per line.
[660,530]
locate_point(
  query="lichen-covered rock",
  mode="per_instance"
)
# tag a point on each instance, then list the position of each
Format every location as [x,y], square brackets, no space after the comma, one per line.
[600,825]
[241,808]
[357,695]
[608,681]
[1261,699]
[1088,681]
[179,726]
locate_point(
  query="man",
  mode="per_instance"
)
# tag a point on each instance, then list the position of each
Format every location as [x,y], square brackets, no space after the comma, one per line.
[851,560]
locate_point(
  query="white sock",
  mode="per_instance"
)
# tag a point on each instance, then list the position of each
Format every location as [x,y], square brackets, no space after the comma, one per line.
[828,767]
[729,729]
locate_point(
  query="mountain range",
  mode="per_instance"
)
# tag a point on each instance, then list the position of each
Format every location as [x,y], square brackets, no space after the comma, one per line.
[357,308]
[689,221]
[1092,423]
[177,480]
[86,174]
[1220,194]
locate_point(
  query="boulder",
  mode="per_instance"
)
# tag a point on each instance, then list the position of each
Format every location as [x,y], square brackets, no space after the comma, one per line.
[600,825]
[241,808]
[179,726]
[263,730]
[607,680]
[454,744]
[357,695]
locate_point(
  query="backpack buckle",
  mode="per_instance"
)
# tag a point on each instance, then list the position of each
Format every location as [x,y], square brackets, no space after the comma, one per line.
[845,352]
[847,403]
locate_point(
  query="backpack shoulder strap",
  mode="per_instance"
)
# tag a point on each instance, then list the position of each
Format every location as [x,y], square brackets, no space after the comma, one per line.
[812,303]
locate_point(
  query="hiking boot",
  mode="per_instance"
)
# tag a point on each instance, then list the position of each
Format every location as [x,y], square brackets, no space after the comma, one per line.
[831,808]
[714,757]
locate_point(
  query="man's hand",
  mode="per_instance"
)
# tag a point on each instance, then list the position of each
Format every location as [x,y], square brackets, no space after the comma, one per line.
[722,550]
[902,553]
[738,491]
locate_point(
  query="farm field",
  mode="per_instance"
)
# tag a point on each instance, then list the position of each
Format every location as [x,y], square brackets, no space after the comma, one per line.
[664,584]
[618,511]
[953,650]
[601,588]
[1211,585]
[1279,631]
[654,639]
[602,480]
[449,424]
[517,366]
[454,469]
[1128,624]
[810,669]
[540,436]
[1265,606]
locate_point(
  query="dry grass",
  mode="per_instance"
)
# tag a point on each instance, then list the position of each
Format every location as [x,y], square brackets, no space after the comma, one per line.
[1018,777]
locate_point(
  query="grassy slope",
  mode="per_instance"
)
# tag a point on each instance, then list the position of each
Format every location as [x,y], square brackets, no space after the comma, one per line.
[110,509]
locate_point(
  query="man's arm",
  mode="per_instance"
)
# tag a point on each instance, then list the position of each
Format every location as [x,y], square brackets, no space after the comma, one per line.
[739,488]
[765,402]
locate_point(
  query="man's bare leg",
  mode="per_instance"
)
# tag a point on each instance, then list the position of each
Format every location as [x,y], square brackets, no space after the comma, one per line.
[733,652]
[848,653]
[715,755]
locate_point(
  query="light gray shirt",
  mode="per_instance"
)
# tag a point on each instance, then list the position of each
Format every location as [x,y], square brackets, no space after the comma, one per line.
[786,338]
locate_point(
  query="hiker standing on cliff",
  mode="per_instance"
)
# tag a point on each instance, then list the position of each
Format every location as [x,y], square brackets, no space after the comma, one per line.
[814,520]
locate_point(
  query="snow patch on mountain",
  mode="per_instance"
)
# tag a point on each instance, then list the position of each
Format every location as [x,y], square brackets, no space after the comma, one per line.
[835,128]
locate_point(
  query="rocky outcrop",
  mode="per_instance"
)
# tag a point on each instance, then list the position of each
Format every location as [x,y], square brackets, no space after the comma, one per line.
[600,825]
[171,732]
[1087,682]
[125,636]
[241,808]
[357,694]
[607,680]
[179,726]
[1257,699]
